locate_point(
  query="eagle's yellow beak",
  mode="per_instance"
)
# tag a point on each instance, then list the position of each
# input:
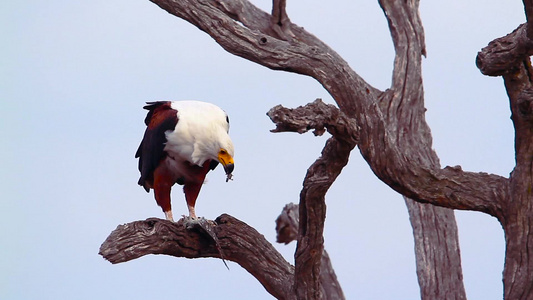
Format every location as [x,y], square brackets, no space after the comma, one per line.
[226,160]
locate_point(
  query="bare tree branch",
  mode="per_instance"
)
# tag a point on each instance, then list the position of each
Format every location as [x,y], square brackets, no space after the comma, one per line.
[280,20]
[503,55]
[256,41]
[528,7]
[517,224]
[438,259]
[287,231]
[509,56]
[317,116]
[287,224]
[319,178]
[239,242]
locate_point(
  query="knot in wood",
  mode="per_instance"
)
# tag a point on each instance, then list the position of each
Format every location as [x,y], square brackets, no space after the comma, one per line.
[454,168]
[287,224]
[503,54]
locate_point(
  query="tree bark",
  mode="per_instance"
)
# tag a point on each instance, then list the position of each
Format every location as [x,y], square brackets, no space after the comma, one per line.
[518,221]
[438,259]
[234,240]
[239,243]
[287,231]
[319,178]
[508,57]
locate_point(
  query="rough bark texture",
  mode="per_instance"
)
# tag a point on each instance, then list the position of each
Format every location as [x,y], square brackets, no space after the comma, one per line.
[390,130]
[287,224]
[503,54]
[518,217]
[287,230]
[238,241]
[508,56]
[438,269]
[319,178]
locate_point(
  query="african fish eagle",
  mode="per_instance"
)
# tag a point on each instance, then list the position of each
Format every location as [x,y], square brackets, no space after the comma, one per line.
[183,141]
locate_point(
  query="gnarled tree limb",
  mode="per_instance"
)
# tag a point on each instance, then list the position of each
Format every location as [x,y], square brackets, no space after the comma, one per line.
[438,259]
[287,231]
[503,55]
[509,57]
[239,242]
[319,178]
[317,116]
[280,20]
[518,221]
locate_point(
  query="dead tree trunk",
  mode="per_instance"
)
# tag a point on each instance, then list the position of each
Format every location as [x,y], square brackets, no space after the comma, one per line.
[390,130]
[509,57]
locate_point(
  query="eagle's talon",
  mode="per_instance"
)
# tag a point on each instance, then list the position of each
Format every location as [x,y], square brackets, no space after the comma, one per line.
[191,222]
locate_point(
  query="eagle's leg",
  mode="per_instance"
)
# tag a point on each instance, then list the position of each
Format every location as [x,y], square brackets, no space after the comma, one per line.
[168,215]
[163,182]
[191,191]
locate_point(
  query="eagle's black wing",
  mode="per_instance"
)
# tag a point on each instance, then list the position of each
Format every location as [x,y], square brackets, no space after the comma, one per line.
[161,118]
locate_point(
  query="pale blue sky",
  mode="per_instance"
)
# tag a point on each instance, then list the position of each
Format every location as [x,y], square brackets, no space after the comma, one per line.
[74,76]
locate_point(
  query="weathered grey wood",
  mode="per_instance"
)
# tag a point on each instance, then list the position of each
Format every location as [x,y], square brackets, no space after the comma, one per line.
[438,260]
[504,54]
[518,216]
[508,56]
[319,178]
[437,252]
[239,242]
[287,231]
[287,224]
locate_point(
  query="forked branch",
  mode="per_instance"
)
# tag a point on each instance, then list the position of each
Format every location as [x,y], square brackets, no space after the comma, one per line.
[287,231]
[319,178]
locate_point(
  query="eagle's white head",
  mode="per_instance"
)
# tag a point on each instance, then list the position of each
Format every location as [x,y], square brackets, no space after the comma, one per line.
[201,134]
